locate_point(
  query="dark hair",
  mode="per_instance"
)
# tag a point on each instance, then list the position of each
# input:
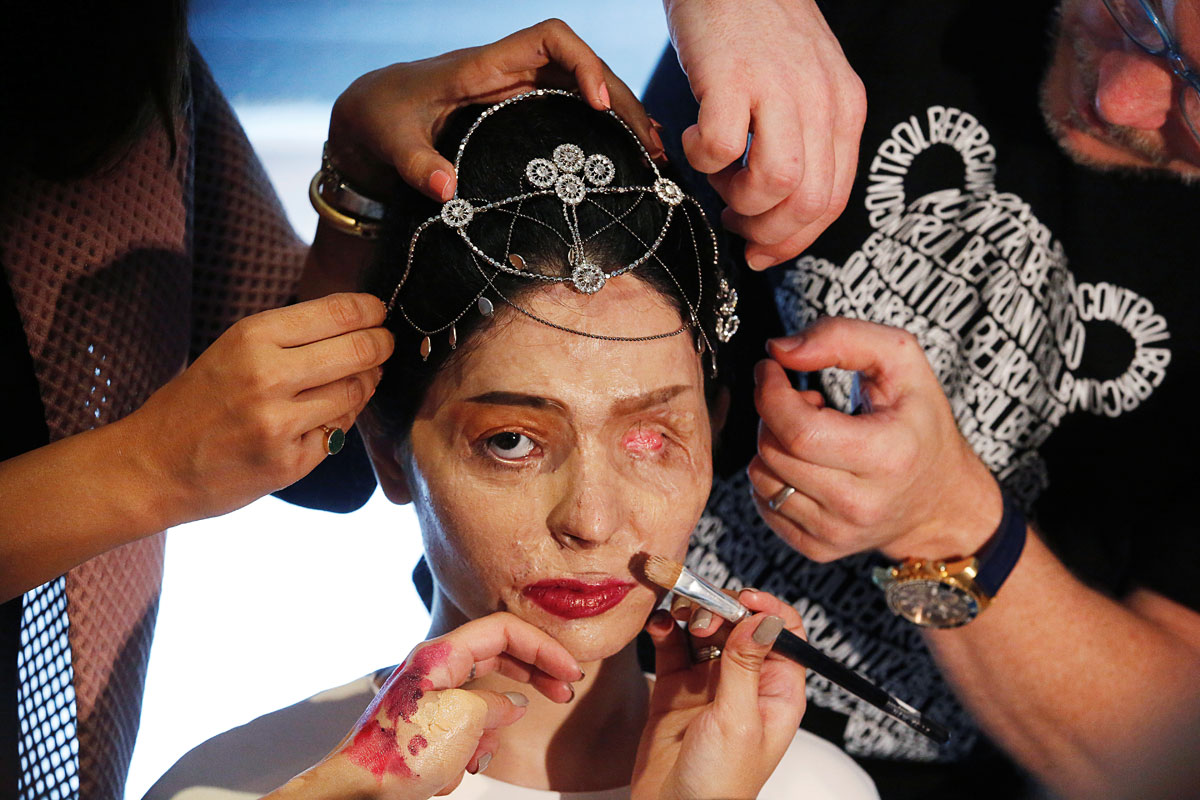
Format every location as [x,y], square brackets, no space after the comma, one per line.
[82,80]
[445,278]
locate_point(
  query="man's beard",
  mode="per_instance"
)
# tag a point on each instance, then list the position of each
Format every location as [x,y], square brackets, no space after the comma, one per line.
[1086,57]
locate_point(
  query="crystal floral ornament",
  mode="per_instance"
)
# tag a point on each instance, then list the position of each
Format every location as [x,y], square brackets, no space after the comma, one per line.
[599,170]
[568,157]
[668,191]
[587,277]
[570,189]
[457,213]
[541,173]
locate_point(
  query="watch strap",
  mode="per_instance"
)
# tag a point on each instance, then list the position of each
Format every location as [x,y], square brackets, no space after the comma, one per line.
[1000,555]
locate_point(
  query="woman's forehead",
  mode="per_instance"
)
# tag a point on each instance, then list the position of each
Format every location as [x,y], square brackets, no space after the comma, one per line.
[522,357]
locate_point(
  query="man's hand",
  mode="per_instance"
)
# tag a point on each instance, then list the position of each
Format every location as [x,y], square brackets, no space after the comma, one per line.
[900,479]
[386,121]
[772,68]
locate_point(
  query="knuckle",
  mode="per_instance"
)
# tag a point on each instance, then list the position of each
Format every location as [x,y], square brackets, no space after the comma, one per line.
[365,349]
[356,392]
[245,331]
[262,381]
[554,26]
[799,440]
[854,99]
[723,148]
[783,177]
[344,310]
[810,202]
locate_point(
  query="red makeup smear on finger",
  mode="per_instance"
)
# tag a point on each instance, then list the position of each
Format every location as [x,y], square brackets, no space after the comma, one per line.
[412,681]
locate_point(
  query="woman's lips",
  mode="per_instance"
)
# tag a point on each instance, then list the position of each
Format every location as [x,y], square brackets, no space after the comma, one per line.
[573,599]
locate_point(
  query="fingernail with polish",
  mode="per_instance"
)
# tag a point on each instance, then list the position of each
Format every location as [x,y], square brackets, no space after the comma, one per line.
[517,699]
[700,619]
[484,760]
[768,630]
[571,689]
[605,100]
[439,181]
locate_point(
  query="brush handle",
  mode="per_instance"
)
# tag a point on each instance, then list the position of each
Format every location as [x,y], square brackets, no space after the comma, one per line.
[792,646]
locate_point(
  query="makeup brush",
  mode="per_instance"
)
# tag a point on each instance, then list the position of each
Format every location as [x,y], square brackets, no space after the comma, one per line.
[676,578]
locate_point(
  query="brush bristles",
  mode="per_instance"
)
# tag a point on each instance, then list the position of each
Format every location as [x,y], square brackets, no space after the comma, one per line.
[662,571]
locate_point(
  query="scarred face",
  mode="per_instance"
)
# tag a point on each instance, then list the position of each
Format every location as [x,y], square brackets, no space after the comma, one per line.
[542,461]
[1111,104]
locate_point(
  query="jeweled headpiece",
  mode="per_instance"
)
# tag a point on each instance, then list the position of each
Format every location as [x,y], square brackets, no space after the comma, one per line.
[575,179]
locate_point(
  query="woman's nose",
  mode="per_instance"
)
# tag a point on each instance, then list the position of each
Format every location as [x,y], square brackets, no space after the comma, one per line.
[1133,90]
[591,509]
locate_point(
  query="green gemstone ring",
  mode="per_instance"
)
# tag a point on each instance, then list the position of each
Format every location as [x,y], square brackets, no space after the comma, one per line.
[335,439]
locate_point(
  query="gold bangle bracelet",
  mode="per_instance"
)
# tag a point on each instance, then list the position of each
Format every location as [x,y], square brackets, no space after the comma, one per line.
[364,229]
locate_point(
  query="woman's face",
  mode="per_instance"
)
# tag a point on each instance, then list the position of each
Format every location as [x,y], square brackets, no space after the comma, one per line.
[542,461]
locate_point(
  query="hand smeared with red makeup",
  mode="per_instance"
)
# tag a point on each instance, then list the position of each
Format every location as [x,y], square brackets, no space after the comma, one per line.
[421,732]
[720,727]
[900,479]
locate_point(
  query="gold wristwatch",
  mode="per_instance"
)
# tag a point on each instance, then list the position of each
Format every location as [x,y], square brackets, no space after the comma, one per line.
[936,593]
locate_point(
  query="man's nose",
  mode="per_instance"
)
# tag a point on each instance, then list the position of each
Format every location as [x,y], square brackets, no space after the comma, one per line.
[1133,90]
[591,509]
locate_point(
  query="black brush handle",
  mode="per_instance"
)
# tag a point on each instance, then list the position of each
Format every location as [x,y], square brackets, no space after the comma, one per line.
[790,645]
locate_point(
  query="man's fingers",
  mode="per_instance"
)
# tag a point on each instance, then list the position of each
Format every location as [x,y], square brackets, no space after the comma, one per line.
[778,163]
[876,350]
[719,136]
[808,433]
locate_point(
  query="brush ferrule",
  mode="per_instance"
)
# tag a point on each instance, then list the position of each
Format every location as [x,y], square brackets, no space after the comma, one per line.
[705,595]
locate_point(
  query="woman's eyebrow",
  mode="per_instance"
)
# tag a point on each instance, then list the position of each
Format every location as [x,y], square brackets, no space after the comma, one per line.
[514,399]
[626,405]
[641,402]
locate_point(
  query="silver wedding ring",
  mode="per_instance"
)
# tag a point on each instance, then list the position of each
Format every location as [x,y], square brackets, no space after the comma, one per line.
[781,497]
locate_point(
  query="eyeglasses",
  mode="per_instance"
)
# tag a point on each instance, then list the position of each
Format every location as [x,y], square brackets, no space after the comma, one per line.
[1142,24]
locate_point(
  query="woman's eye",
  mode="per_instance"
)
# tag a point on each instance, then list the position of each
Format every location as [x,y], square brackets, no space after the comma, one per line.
[510,445]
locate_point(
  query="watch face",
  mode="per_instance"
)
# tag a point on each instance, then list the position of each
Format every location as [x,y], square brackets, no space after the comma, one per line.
[932,604]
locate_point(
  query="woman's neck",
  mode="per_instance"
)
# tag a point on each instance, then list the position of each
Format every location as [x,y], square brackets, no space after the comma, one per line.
[554,746]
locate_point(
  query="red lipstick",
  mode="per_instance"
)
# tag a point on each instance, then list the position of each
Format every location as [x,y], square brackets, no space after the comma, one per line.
[573,599]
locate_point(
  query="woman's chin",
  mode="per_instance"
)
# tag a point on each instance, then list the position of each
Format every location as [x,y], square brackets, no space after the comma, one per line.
[594,638]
